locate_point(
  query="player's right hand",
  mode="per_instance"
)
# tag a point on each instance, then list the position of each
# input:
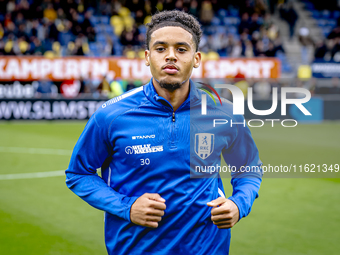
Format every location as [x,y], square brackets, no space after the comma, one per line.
[148,210]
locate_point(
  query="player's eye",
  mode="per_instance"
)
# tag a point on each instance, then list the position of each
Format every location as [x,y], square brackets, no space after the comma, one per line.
[160,49]
[182,50]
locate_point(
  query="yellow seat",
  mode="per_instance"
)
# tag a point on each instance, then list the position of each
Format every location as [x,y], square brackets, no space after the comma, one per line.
[49,54]
[141,54]
[130,54]
[70,46]
[56,47]
[212,55]
[147,20]
[128,22]
[8,46]
[23,46]
[86,48]
[116,20]
[124,12]
[118,30]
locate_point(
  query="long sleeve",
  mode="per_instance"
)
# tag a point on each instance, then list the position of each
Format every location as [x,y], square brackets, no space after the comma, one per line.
[242,156]
[89,154]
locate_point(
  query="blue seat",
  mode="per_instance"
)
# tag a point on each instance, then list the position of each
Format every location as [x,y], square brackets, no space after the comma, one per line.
[105,20]
[309,6]
[336,14]
[65,38]
[222,13]
[95,20]
[142,29]
[215,21]
[232,30]
[98,29]
[316,14]
[326,14]
[322,22]
[93,47]
[108,29]
[101,37]
[221,30]
[234,12]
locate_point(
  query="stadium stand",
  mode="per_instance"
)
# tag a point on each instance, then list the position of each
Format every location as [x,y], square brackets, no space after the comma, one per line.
[105,28]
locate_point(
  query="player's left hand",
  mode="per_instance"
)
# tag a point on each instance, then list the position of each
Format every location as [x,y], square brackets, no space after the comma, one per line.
[225,213]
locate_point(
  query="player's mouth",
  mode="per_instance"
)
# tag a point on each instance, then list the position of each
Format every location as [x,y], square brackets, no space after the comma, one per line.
[170,69]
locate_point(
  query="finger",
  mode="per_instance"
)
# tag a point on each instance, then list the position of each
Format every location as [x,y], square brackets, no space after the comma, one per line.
[221,217]
[220,210]
[226,226]
[151,224]
[155,212]
[157,205]
[218,201]
[155,196]
[222,223]
[153,218]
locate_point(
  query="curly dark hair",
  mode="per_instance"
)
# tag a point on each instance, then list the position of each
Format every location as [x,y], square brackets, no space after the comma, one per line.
[174,19]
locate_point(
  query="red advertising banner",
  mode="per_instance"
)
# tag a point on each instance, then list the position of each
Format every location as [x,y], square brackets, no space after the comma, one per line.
[66,68]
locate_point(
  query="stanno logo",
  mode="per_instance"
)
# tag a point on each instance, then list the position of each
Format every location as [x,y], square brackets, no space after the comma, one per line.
[143,137]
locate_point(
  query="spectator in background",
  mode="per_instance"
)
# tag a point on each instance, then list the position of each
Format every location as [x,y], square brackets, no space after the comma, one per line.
[46,87]
[320,50]
[288,13]
[207,12]
[305,43]
[50,13]
[87,27]
[236,50]
[254,24]
[271,51]
[259,49]
[260,7]
[248,49]
[37,48]
[193,9]
[129,38]
[78,47]
[244,24]
[130,85]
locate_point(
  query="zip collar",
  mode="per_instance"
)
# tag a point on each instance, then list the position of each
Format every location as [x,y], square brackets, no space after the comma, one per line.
[151,94]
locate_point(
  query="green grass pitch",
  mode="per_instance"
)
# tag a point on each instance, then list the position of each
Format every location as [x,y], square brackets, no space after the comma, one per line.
[291,216]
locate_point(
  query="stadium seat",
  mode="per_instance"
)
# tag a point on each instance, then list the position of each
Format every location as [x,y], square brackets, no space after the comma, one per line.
[222,13]
[65,38]
[49,54]
[212,55]
[124,12]
[147,20]
[215,21]
[105,20]
[116,20]
[234,12]
[142,29]
[336,14]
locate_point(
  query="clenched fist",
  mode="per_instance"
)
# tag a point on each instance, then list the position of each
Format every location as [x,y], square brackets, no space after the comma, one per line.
[225,213]
[148,210]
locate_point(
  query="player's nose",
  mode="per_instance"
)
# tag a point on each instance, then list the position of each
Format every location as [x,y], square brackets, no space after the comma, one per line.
[171,57]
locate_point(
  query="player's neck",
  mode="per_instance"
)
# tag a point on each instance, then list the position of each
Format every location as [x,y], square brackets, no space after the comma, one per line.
[176,97]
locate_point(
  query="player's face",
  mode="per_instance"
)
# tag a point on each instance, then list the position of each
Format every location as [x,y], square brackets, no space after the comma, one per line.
[172,55]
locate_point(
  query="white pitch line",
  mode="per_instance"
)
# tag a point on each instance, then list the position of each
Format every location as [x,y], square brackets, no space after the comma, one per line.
[35,151]
[31,175]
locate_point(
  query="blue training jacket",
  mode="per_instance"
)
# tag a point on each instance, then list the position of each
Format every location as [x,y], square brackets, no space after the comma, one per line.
[143,146]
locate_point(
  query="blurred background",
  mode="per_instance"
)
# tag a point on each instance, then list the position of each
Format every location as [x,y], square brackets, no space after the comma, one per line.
[61,59]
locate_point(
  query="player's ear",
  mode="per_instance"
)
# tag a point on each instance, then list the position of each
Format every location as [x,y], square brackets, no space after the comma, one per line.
[197,59]
[147,57]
